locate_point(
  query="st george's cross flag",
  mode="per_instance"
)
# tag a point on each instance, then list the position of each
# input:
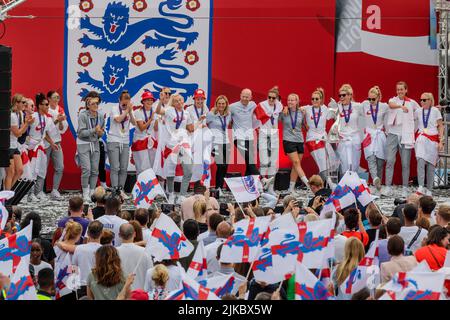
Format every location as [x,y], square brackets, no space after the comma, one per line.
[198,268]
[415,286]
[22,285]
[167,241]
[243,245]
[15,251]
[146,189]
[191,290]
[4,196]
[223,284]
[307,286]
[244,189]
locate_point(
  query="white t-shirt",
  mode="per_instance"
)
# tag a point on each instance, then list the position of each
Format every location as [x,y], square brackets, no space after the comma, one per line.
[170,118]
[54,132]
[194,116]
[211,255]
[39,267]
[339,247]
[38,129]
[172,284]
[383,109]
[435,115]
[118,131]
[84,258]
[130,256]
[313,132]
[349,129]
[408,233]
[113,223]
[273,112]
[12,138]
[395,116]
[146,234]
[140,115]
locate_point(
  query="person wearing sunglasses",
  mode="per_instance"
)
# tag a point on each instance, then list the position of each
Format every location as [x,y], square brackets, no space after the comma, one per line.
[349,146]
[59,128]
[18,127]
[400,136]
[292,118]
[316,115]
[374,142]
[429,141]
[268,138]
[91,126]
[144,138]
[38,136]
[175,139]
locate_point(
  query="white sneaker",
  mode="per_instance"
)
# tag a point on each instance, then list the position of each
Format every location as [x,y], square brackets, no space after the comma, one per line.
[377,183]
[41,196]
[387,191]
[181,199]
[220,193]
[104,185]
[55,195]
[32,198]
[86,195]
[267,182]
[271,190]
[124,195]
[405,192]
[427,192]
[171,199]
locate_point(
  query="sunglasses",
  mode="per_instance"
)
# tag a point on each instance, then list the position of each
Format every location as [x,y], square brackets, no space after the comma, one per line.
[24,102]
[55,97]
[272,98]
[168,93]
[372,99]
[424,100]
[44,104]
[343,95]
[315,99]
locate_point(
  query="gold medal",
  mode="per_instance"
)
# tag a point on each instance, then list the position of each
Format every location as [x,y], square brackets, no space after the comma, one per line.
[293,130]
[122,130]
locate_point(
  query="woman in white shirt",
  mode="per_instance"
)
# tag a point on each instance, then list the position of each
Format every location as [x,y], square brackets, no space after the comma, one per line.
[429,141]
[349,145]
[19,125]
[172,283]
[119,138]
[374,143]
[59,128]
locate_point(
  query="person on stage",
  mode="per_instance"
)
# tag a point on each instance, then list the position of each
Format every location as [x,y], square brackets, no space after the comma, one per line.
[145,139]
[121,117]
[316,116]
[218,121]
[400,136]
[38,136]
[349,145]
[429,141]
[59,128]
[91,126]
[292,118]
[268,139]
[374,142]
[177,144]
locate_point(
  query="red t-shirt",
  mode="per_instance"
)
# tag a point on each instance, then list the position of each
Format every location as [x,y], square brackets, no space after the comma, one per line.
[363,236]
[433,254]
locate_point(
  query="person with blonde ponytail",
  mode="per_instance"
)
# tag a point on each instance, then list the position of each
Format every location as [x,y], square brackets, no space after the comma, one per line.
[429,141]
[400,136]
[374,143]
[349,145]
[316,116]
[353,254]
[268,139]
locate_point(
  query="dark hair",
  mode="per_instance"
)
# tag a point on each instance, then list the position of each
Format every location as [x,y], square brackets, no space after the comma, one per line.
[199,189]
[17,211]
[427,204]
[92,94]
[395,245]
[40,97]
[214,221]
[141,216]
[46,278]
[138,236]
[258,211]
[362,294]
[50,93]
[124,95]
[112,205]
[95,229]
[37,223]
[393,226]
[436,235]
[410,212]
[175,216]
[191,229]
[76,204]
[219,251]
[151,216]
[374,217]
[229,297]
[106,237]
[107,269]
[351,218]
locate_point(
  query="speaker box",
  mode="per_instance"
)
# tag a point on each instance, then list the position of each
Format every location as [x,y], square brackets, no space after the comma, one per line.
[5,120]
[5,81]
[282,179]
[130,182]
[4,139]
[5,100]
[5,59]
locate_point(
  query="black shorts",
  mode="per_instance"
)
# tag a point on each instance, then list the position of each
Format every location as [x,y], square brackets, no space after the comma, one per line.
[12,152]
[290,147]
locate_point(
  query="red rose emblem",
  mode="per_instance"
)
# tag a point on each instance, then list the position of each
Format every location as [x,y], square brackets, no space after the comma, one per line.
[84,59]
[86,5]
[138,58]
[192,5]
[191,57]
[139,5]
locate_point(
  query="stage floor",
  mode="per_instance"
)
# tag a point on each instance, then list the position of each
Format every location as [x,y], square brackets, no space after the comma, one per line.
[51,210]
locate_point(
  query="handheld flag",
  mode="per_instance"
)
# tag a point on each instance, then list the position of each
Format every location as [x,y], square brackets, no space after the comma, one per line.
[4,195]
[223,284]
[22,285]
[145,190]
[198,267]
[415,286]
[307,286]
[244,189]
[191,290]
[15,251]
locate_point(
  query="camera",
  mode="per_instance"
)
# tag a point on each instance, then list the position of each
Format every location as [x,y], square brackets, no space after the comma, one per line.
[167,207]
[85,208]
[112,193]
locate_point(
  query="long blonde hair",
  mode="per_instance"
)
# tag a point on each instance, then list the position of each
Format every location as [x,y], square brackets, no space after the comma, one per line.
[353,254]
[221,97]
[15,99]
[376,91]
[72,231]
